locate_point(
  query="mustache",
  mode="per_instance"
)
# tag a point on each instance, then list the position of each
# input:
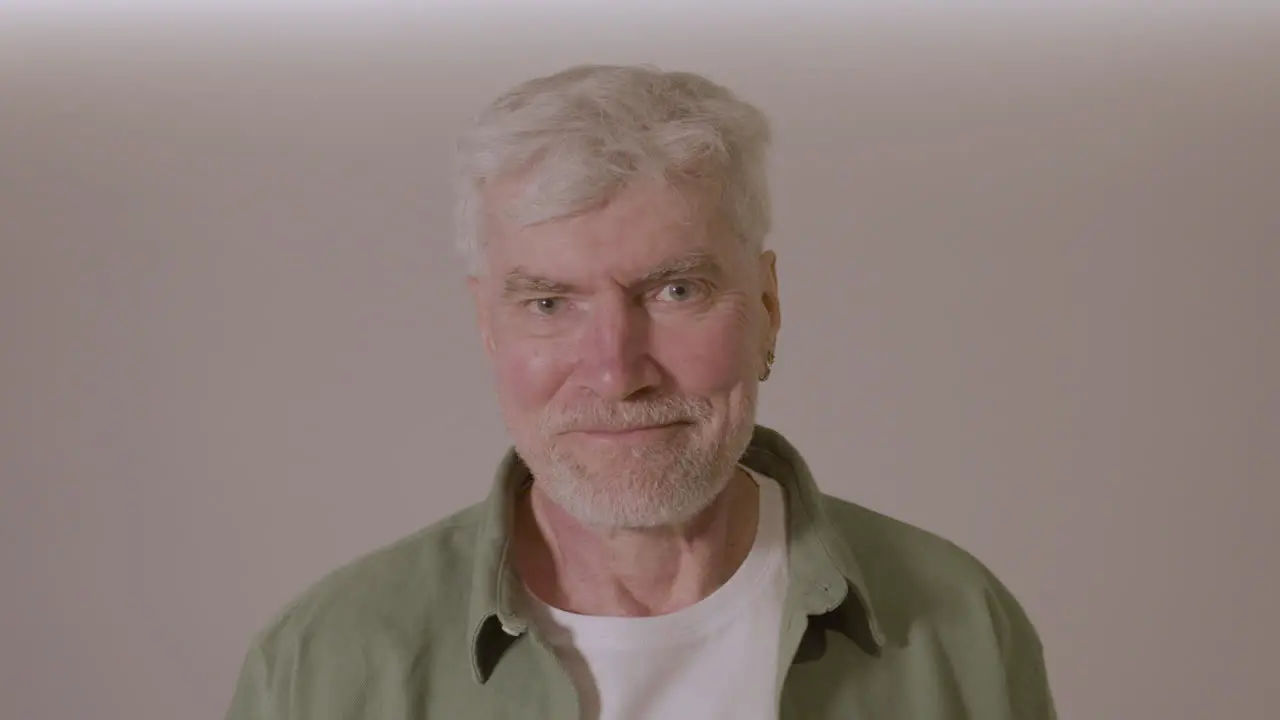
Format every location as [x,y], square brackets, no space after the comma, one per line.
[626,416]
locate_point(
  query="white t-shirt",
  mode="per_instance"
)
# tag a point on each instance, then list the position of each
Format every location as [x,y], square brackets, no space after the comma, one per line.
[715,659]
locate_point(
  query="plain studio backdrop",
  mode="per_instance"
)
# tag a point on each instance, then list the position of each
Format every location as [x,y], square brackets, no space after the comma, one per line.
[1029,270]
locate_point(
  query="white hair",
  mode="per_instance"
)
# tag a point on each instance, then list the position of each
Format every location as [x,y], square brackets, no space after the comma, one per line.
[578,137]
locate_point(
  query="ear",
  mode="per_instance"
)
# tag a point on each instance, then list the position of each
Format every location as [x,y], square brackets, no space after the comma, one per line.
[478,288]
[769,293]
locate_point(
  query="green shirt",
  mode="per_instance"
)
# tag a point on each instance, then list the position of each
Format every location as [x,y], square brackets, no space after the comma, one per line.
[882,621]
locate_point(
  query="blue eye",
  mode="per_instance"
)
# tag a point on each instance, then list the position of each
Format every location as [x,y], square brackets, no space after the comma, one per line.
[546,305]
[679,291]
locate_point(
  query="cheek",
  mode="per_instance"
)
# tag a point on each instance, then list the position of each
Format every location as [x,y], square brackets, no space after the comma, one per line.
[708,361]
[528,375]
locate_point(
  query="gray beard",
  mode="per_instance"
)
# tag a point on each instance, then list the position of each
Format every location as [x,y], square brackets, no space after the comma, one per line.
[642,487]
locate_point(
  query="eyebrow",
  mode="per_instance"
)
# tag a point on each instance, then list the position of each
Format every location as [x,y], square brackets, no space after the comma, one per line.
[694,263]
[520,281]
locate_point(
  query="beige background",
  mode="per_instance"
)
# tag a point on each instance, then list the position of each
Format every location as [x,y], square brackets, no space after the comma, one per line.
[1030,268]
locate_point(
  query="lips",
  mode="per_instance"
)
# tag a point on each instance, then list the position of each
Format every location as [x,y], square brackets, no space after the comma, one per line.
[628,429]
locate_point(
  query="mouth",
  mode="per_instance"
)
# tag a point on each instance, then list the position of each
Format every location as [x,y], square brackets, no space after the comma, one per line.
[632,433]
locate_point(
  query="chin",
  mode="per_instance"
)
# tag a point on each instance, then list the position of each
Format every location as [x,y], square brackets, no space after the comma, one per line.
[638,481]
[634,492]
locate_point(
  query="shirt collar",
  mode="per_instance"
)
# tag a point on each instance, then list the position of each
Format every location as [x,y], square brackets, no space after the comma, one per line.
[826,579]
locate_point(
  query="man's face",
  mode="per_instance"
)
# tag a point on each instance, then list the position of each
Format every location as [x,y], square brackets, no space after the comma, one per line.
[626,344]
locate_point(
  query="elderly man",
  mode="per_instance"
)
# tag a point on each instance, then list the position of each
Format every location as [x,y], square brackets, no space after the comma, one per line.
[647,550]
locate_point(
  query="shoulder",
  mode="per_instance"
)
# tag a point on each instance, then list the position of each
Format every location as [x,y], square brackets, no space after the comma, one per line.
[403,589]
[369,619]
[897,551]
[921,584]
[931,595]
[916,574]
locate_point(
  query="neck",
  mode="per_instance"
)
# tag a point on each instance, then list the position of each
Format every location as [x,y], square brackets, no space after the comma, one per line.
[633,572]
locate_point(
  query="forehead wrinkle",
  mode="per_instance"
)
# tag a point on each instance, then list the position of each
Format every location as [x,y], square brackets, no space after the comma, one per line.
[689,241]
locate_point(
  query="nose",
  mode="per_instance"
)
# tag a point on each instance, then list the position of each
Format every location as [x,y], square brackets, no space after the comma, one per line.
[614,359]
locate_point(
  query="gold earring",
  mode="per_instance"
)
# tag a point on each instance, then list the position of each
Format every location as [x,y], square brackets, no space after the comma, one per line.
[768,365]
